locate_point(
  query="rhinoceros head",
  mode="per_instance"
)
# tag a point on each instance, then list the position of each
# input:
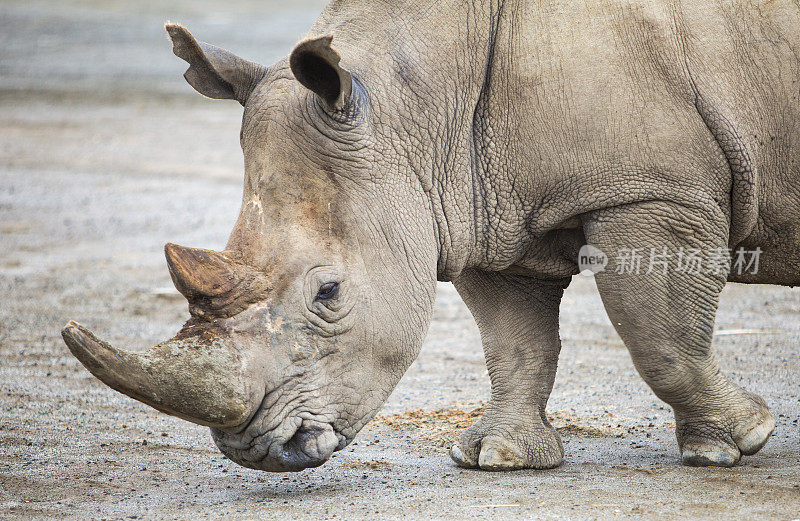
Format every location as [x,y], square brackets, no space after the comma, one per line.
[303,325]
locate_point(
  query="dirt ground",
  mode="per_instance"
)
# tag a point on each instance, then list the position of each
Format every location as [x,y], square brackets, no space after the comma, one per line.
[105,155]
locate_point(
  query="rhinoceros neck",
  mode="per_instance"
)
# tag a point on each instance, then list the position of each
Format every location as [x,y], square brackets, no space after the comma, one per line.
[475,209]
[437,68]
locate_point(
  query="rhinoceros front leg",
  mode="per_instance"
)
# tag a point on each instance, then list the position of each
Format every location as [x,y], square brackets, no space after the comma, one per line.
[660,289]
[518,321]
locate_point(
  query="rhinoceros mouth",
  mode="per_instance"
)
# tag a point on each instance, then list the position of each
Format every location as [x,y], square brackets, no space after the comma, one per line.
[295,445]
[311,445]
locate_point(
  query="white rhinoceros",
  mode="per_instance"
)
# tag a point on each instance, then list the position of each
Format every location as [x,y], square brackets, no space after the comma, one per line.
[483,142]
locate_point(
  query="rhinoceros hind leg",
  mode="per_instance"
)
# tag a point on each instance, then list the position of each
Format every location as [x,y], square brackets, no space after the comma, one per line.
[721,441]
[518,320]
[664,310]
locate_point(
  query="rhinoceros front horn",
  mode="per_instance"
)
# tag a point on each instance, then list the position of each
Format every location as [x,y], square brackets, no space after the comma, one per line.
[197,379]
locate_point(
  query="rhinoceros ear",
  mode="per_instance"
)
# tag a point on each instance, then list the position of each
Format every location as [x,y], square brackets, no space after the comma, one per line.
[214,72]
[315,64]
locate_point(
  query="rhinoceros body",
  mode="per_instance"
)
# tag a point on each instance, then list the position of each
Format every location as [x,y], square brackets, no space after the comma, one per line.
[484,143]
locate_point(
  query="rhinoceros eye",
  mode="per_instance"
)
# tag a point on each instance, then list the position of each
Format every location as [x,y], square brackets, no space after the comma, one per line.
[327,291]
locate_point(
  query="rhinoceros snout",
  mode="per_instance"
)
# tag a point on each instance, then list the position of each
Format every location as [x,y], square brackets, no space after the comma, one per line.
[309,445]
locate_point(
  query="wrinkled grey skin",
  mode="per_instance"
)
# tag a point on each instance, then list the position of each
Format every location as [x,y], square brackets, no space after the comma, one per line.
[481,142]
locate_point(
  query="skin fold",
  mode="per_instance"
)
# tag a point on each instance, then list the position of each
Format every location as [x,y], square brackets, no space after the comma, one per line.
[482,143]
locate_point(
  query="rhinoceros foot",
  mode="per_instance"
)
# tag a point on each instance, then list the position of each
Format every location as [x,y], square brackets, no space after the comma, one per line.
[498,443]
[722,437]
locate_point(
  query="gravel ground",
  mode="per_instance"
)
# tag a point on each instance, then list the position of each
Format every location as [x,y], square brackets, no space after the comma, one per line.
[105,155]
